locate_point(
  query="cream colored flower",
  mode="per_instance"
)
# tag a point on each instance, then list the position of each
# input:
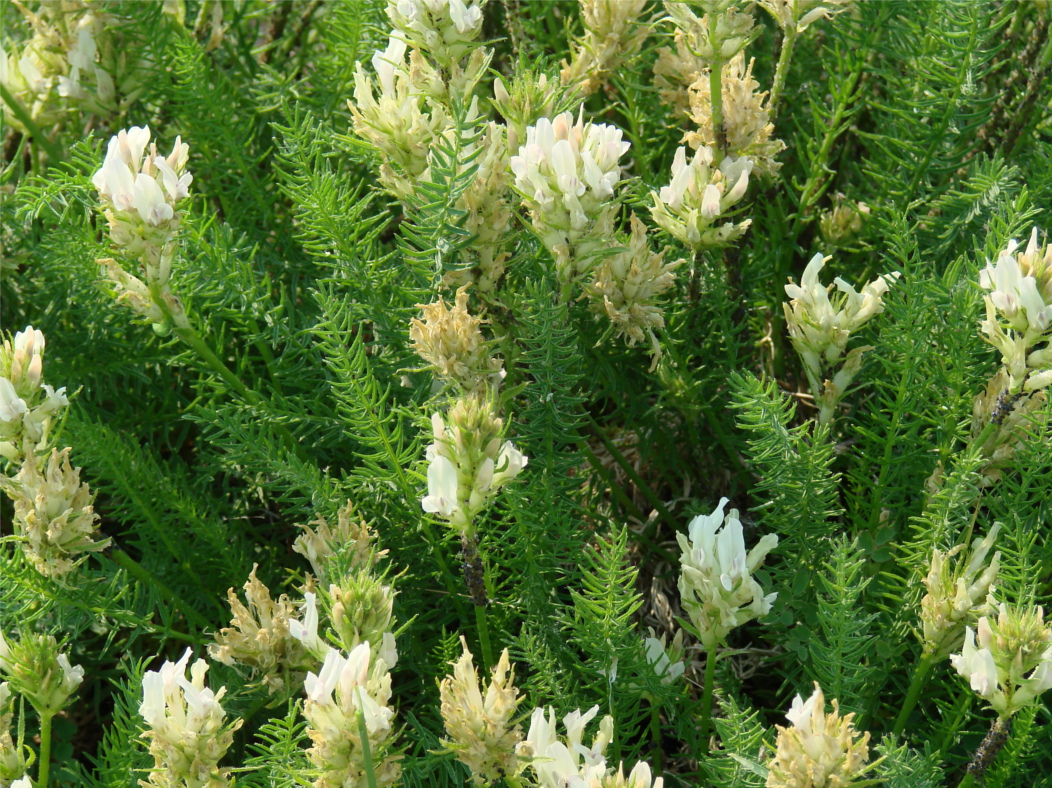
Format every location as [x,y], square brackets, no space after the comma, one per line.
[820,328]
[1016,417]
[958,595]
[746,116]
[480,726]
[567,173]
[28,406]
[614,31]
[798,15]
[819,750]
[444,29]
[1019,313]
[54,518]
[344,689]
[1012,664]
[627,286]
[451,341]
[699,195]
[716,587]
[260,636]
[186,727]
[350,544]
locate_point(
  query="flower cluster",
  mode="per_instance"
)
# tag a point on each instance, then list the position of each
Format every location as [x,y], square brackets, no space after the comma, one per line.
[564,761]
[140,192]
[746,117]
[54,517]
[842,223]
[36,669]
[613,34]
[716,587]
[445,29]
[479,726]
[451,341]
[335,550]
[27,404]
[690,207]
[567,173]
[77,58]
[468,463]
[958,595]
[186,730]
[796,16]
[820,329]
[532,96]
[259,636]
[349,696]
[1012,665]
[626,287]
[1019,313]
[715,38]
[676,69]
[819,749]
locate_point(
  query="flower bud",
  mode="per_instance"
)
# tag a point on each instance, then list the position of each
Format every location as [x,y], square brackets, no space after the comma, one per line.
[795,16]
[614,33]
[36,670]
[333,552]
[27,405]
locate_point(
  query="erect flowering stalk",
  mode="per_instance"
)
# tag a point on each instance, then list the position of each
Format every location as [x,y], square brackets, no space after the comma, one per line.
[259,636]
[567,173]
[1019,313]
[820,329]
[717,589]
[1012,664]
[565,761]
[959,593]
[450,340]
[36,670]
[819,749]
[140,192]
[690,207]
[350,721]
[28,406]
[187,733]
[626,287]
[613,33]
[54,517]
[480,726]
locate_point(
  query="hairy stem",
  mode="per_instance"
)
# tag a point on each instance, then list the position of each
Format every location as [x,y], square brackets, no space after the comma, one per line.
[45,749]
[706,699]
[788,42]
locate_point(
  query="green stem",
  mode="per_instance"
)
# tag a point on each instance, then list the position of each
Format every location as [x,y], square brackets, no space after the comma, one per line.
[34,130]
[967,782]
[963,705]
[45,749]
[788,42]
[706,699]
[483,626]
[656,753]
[135,569]
[920,677]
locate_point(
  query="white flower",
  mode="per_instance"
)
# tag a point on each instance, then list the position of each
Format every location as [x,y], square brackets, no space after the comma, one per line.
[656,655]
[442,487]
[977,665]
[717,587]
[306,631]
[698,194]
[11,405]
